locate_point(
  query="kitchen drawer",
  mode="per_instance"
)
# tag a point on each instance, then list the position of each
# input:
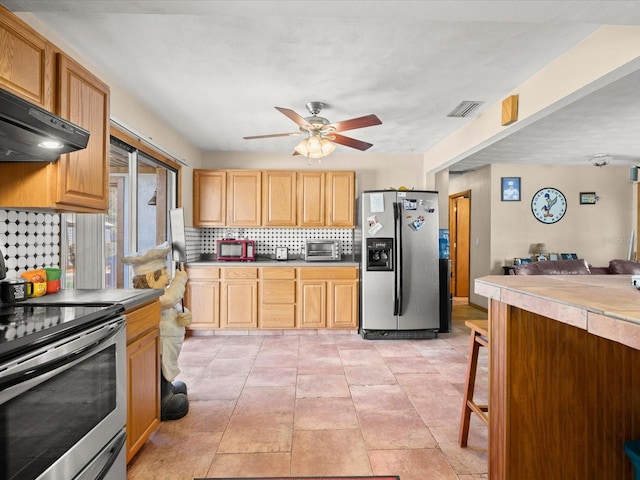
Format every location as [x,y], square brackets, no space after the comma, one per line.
[203,273]
[141,320]
[278,292]
[277,316]
[278,273]
[241,273]
[328,273]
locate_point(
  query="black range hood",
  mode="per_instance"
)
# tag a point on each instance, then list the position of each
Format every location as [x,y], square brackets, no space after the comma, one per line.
[25,127]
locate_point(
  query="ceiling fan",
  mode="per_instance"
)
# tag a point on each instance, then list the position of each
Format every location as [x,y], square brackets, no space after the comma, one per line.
[321,135]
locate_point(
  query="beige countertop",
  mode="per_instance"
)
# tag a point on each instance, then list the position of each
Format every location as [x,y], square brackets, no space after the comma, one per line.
[605,305]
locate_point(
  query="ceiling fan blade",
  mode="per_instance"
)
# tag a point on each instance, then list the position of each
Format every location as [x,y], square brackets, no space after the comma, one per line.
[360,122]
[272,135]
[350,142]
[293,116]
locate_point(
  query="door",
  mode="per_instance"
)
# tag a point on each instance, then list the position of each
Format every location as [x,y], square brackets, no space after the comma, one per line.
[460,231]
[378,286]
[418,277]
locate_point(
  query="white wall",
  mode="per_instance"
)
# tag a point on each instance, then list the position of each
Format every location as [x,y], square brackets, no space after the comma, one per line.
[133,114]
[504,230]
[607,55]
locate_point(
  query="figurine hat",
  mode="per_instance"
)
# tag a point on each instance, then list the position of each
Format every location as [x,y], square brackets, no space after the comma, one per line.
[150,260]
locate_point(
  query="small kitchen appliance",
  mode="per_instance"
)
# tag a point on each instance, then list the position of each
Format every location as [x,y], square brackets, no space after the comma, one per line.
[239,250]
[282,253]
[322,251]
[11,290]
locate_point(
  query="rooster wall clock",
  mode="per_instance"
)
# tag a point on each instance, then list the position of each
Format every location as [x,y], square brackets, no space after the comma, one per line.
[548,205]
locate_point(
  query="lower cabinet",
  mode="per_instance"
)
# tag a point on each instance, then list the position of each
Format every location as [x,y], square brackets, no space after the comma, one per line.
[278,297]
[143,375]
[239,297]
[342,304]
[328,297]
[202,297]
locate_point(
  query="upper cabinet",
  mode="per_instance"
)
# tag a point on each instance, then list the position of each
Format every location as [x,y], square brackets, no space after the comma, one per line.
[326,199]
[279,190]
[340,192]
[209,198]
[273,198]
[26,62]
[244,199]
[311,199]
[83,176]
[39,72]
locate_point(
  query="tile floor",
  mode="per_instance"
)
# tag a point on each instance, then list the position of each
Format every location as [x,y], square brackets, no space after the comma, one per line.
[322,404]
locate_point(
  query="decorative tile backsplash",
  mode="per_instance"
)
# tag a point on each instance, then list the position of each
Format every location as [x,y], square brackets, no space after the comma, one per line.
[29,240]
[203,240]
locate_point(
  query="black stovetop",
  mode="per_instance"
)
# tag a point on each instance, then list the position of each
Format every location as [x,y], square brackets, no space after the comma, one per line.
[28,326]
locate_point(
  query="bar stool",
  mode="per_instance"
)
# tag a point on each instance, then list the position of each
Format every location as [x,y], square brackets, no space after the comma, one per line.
[479,338]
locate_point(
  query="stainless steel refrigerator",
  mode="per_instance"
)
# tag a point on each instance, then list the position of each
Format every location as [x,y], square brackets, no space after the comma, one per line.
[397,246]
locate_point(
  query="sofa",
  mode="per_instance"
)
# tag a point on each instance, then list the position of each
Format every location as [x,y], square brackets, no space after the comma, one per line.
[577,267]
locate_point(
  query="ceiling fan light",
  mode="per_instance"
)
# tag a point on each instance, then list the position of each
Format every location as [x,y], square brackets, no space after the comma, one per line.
[302,149]
[314,144]
[327,147]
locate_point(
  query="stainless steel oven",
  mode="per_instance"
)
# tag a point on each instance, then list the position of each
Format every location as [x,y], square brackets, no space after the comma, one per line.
[62,392]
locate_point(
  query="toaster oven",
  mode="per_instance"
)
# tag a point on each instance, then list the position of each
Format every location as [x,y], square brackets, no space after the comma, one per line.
[322,251]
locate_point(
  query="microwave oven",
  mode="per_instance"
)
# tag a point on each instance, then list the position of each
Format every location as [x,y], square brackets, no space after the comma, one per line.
[322,251]
[236,250]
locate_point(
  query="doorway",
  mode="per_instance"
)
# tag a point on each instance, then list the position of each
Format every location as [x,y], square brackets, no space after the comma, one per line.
[459,237]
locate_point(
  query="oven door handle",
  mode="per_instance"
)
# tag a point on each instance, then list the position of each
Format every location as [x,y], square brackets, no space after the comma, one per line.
[100,467]
[26,374]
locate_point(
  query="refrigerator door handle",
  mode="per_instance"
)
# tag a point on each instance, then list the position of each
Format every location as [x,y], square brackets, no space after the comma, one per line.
[400,262]
[397,247]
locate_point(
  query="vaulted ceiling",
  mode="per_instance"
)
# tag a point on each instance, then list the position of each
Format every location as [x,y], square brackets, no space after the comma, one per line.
[214,70]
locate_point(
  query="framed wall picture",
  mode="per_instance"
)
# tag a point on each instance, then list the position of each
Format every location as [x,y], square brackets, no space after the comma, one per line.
[510,189]
[588,198]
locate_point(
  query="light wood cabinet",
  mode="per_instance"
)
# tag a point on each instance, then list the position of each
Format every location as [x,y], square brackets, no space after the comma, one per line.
[239,297]
[273,198]
[277,297]
[209,198]
[341,196]
[244,198]
[313,304]
[326,199]
[39,72]
[83,176]
[342,311]
[279,201]
[311,199]
[328,297]
[26,61]
[202,297]
[143,375]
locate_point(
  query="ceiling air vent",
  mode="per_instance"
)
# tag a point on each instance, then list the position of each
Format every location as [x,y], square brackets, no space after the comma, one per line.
[464,109]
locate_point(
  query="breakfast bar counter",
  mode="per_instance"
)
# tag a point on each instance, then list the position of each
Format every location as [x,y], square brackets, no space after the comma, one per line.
[564,375]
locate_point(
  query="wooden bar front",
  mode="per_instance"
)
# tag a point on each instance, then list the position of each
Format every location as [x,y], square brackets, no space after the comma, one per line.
[563,401]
